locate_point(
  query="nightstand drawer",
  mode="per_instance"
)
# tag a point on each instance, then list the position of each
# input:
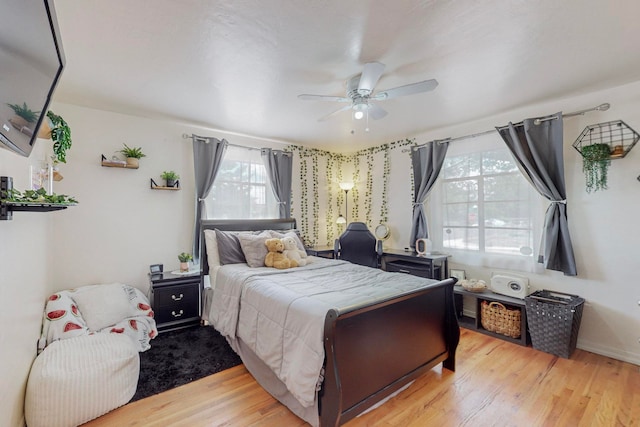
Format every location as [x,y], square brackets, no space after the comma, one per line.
[176,312]
[422,270]
[175,295]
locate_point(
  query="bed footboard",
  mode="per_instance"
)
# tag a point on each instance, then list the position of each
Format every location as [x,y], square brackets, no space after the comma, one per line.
[374,351]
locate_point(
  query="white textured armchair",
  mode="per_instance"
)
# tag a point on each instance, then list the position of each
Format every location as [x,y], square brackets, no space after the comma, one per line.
[88,361]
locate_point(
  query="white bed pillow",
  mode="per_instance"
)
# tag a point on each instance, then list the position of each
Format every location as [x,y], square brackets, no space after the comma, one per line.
[280,235]
[254,247]
[103,305]
[211,243]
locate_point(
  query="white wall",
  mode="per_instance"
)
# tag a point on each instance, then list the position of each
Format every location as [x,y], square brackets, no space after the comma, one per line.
[25,272]
[118,228]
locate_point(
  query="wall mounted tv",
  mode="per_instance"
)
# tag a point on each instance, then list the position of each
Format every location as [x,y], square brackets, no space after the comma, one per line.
[31,62]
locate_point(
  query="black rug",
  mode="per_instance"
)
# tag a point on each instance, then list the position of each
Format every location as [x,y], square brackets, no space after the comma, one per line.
[179,357]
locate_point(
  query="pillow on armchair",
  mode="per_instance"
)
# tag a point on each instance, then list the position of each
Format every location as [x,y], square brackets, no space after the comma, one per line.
[109,308]
[103,305]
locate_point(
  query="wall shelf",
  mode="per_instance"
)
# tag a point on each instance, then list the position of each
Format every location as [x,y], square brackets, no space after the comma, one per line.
[115,164]
[7,208]
[618,135]
[155,186]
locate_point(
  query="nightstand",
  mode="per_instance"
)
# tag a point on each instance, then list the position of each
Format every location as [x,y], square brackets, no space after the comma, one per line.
[175,300]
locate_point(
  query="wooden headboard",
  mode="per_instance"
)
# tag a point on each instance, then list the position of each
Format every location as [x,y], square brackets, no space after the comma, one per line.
[239,225]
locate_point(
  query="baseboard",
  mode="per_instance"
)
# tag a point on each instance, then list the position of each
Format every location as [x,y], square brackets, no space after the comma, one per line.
[625,356]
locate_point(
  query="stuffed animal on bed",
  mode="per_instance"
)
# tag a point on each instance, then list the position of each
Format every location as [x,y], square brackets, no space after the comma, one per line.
[291,251]
[275,257]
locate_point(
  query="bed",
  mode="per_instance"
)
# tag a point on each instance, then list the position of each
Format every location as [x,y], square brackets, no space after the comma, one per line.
[343,348]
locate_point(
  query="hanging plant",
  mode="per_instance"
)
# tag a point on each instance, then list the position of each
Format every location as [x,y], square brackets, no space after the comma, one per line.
[595,165]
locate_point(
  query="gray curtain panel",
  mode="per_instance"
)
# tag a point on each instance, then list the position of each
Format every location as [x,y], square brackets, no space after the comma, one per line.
[427,161]
[207,156]
[279,166]
[538,150]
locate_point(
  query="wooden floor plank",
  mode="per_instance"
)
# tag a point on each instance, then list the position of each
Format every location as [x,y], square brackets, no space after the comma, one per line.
[496,383]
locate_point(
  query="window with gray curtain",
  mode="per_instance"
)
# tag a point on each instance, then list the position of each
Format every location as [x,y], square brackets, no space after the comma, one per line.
[207,156]
[427,161]
[242,189]
[482,210]
[279,164]
[538,148]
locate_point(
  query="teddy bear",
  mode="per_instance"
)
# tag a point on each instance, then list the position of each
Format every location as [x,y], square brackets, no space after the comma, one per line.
[275,257]
[291,251]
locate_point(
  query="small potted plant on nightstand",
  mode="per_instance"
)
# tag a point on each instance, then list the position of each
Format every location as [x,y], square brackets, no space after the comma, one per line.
[133,155]
[184,259]
[170,178]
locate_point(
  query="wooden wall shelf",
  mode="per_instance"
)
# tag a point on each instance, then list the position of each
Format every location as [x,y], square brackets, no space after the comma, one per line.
[155,186]
[109,164]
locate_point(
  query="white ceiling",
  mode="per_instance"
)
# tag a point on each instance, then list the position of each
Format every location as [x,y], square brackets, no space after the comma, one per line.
[238,65]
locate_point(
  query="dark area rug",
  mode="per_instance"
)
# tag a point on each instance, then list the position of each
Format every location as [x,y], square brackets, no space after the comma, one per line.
[179,357]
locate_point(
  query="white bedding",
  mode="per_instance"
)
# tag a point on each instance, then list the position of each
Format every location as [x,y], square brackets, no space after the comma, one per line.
[280,314]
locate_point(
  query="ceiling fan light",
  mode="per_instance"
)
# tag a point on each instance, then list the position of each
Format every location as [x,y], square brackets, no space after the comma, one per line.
[358,115]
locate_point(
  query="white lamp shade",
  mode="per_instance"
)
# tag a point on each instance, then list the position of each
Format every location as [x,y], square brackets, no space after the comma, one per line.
[346,186]
[341,220]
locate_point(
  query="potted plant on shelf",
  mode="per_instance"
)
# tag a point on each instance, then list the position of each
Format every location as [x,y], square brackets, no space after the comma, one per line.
[184,259]
[170,178]
[133,155]
[595,164]
[23,116]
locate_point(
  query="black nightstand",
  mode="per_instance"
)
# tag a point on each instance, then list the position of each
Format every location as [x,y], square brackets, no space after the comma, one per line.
[175,300]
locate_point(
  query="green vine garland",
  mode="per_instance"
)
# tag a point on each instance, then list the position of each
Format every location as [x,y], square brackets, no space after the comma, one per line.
[595,165]
[334,163]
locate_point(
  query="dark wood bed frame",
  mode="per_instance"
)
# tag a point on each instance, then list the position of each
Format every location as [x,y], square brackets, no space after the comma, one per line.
[374,351]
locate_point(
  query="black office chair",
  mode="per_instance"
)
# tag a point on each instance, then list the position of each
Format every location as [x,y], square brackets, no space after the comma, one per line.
[358,245]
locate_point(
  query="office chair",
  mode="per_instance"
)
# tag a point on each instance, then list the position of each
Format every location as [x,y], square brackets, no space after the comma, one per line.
[358,245]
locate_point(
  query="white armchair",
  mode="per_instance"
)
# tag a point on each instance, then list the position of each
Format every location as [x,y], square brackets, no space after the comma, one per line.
[88,361]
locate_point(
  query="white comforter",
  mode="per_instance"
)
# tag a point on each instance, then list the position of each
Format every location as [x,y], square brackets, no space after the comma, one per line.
[280,314]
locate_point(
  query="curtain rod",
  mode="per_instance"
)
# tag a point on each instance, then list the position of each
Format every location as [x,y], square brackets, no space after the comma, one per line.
[601,107]
[186,136]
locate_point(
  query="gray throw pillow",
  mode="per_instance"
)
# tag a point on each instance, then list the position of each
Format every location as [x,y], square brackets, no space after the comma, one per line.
[254,247]
[229,247]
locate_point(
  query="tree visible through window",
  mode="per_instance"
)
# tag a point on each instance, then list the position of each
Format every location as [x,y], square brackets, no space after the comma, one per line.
[241,189]
[486,204]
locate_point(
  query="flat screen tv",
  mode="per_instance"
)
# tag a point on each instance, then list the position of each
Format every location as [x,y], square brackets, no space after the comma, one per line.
[31,62]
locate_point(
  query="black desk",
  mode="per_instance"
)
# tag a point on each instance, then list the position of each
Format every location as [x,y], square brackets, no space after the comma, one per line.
[323,251]
[433,266]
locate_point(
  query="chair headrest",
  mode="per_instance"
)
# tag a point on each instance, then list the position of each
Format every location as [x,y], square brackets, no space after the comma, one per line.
[358,226]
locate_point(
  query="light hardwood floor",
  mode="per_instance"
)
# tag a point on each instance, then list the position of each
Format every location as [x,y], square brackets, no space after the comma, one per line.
[496,383]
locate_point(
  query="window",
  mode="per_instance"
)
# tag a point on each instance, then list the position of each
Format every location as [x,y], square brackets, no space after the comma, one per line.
[242,188]
[488,211]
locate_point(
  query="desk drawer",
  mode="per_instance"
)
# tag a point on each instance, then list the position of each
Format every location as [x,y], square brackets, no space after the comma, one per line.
[416,269]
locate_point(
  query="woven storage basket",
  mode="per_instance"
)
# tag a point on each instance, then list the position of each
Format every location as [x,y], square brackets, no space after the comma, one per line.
[554,321]
[497,318]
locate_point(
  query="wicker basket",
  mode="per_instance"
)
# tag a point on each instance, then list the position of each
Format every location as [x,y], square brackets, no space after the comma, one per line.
[497,318]
[554,321]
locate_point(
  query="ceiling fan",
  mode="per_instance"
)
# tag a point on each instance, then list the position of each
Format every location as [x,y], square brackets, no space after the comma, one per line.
[360,93]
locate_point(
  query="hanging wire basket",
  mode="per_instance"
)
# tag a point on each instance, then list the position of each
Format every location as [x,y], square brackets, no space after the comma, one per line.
[616,134]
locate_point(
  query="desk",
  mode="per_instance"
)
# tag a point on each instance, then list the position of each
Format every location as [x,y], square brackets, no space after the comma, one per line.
[323,251]
[433,266]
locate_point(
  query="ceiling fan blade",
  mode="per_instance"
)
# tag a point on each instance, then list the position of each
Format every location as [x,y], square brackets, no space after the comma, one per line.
[376,112]
[370,76]
[307,97]
[409,89]
[328,116]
